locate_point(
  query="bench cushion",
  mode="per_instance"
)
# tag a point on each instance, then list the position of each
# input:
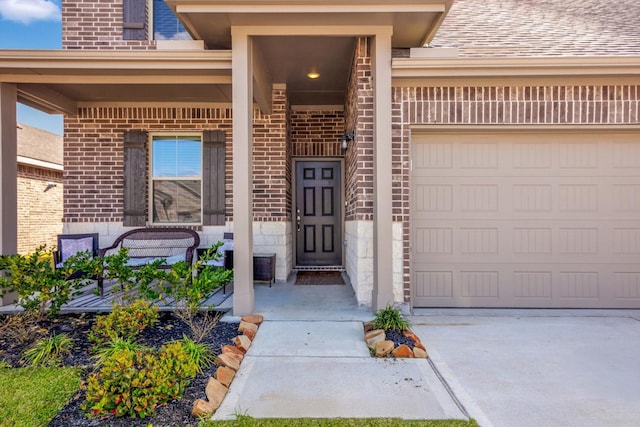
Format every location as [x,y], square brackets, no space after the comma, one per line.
[137,262]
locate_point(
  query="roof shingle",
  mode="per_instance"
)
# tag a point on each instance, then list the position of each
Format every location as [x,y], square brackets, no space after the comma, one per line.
[504,28]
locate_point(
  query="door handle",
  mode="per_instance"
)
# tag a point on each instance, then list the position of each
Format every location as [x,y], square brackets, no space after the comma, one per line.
[298,220]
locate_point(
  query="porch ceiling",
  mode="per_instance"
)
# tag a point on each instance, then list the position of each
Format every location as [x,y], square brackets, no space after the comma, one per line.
[288,58]
[60,81]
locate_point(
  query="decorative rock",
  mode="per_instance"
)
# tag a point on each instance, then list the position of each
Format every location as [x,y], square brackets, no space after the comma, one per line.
[420,346]
[228,361]
[234,351]
[419,353]
[403,350]
[256,319]
[215,392]
[202,408]
[225,375]
[249,333]
[242,342]
[374,337]
[368,327]
[383,348]
[416,340]
[246,325]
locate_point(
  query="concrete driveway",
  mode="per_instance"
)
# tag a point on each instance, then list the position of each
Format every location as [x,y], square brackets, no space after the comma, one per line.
[538,367]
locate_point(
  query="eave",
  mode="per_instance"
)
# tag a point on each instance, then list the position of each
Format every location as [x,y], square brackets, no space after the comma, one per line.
[533,67]
[57,81]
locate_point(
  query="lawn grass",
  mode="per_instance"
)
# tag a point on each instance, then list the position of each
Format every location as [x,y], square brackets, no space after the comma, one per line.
[244,421]
[33,396]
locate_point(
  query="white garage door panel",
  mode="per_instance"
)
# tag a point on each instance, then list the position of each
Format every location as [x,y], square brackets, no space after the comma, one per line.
[523,220]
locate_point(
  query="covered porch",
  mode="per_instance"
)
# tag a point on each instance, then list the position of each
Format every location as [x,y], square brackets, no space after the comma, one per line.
[252,84]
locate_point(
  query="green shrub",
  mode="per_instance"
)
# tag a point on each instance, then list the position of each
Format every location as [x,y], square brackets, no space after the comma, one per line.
[135,383]
[49,351]
[124,321]
[390,318]
[41,288]
[106,351]
[199,353]
[189,286]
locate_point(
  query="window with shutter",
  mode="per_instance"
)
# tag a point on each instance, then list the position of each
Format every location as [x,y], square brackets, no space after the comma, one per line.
[186,178]
[134,20]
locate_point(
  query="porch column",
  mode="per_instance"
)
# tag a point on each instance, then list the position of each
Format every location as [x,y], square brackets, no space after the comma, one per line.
[382,199]
[242,82]
[8,170]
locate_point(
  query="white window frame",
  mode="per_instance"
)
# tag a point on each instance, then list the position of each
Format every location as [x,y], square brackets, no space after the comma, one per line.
[151,179]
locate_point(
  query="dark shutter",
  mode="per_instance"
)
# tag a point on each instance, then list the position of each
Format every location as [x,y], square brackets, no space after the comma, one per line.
[135,182]
[134,18]
[213,176]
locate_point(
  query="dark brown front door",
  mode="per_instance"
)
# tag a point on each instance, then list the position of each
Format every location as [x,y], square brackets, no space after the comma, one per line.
[318,213]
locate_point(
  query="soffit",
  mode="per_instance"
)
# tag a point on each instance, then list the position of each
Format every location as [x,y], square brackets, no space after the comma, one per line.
[56,81]
[414,21]
[321,39]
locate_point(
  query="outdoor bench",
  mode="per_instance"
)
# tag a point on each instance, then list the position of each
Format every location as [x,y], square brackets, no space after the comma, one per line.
[146,245]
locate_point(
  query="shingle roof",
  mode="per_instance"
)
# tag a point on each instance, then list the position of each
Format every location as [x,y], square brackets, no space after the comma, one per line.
[491,28]
[39,144]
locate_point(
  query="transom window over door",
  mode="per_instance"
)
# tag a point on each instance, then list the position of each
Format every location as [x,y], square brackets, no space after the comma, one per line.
[176,179]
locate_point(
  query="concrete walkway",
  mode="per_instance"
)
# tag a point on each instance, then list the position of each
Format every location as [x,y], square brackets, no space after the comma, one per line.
[309,360]
[501,367]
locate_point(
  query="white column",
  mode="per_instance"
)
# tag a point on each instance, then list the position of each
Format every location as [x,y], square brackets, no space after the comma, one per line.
[242,81]
[382,156]
[8,170]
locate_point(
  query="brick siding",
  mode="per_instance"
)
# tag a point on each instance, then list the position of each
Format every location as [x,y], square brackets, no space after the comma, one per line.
[503,105]
[96,24]
[316,133]
[39,211]
[271,181]
[359,117]
[93,157]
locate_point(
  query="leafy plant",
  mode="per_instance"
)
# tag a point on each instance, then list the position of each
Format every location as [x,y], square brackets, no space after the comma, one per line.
[49,351]
[134,383]
[4,364]
[189,285]
[114,346]
[124,321]
[199,353]
[391,318]
[41,288]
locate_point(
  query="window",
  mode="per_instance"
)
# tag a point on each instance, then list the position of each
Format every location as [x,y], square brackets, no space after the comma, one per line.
[188,172]
[176,179]
[166,25]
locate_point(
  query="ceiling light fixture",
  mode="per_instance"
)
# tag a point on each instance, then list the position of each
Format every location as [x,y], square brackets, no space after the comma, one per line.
[313,75]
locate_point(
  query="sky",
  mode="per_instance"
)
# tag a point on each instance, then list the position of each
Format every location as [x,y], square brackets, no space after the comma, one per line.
[32,24]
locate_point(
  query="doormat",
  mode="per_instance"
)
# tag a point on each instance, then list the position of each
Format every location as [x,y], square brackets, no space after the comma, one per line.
[319,278]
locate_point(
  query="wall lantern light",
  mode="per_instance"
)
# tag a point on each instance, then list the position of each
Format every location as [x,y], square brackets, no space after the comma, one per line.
[346,138]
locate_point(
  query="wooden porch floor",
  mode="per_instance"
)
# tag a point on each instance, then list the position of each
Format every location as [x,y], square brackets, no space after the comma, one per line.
[87,301]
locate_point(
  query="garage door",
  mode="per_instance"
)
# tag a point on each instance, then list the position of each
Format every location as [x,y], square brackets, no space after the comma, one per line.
[525,220]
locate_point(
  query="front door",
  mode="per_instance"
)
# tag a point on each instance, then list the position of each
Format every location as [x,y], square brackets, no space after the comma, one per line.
[318,213]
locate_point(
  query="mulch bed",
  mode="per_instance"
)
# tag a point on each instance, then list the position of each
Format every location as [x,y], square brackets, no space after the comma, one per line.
[169,328]
[319,278]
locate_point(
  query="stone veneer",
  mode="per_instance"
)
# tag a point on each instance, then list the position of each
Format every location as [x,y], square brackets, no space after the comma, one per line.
[359,260]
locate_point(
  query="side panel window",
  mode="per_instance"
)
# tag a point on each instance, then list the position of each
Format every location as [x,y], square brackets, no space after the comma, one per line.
[176,180]
[166,25]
